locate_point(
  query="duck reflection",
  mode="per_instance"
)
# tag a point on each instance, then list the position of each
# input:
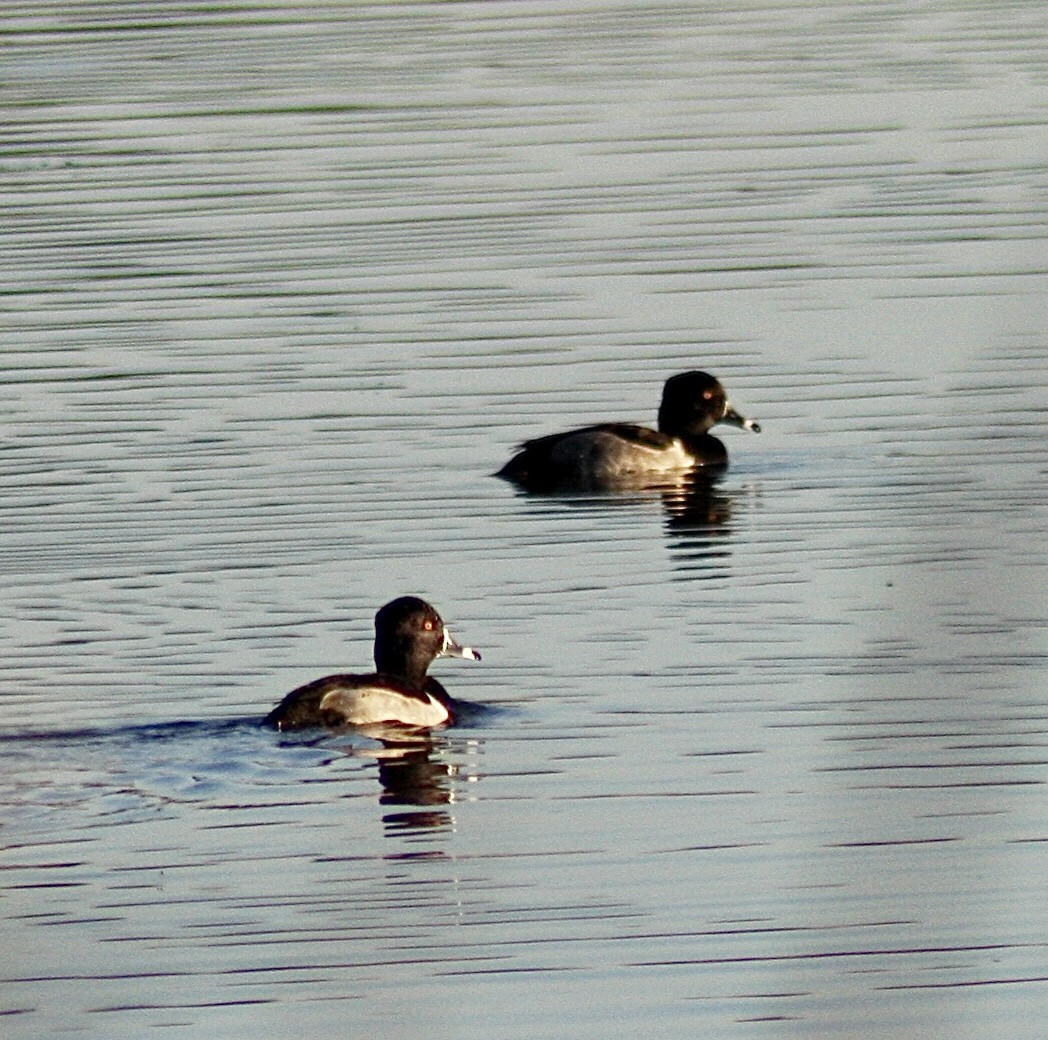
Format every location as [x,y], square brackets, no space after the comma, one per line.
[410,776]
[698,523]
[414,769]
[698,511]
[697,503]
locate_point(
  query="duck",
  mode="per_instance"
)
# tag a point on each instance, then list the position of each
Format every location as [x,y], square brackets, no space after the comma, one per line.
[613,454]
[409,636]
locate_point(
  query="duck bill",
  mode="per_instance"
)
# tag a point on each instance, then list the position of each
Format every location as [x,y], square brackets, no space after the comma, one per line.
[731,416]
[453,649]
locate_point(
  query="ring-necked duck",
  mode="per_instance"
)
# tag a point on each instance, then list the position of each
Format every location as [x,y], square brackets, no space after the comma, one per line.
[612,453]
[409,635]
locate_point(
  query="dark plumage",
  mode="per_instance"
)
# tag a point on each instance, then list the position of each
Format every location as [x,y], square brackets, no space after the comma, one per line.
[610,455]
[409,635]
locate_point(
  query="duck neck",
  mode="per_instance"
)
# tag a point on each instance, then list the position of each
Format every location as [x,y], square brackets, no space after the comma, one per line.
[673,425]
[396,662]
[706,447]
[665,422]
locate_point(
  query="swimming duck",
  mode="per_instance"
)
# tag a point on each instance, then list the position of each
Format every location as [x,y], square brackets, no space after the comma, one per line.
[615,454]
[409,635]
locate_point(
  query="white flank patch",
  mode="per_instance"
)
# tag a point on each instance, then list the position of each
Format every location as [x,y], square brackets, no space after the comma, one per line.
[603,454]
[667,459]
[367,704]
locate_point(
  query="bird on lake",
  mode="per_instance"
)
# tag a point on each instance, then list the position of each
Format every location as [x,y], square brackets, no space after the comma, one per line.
[409,636]
[613,454]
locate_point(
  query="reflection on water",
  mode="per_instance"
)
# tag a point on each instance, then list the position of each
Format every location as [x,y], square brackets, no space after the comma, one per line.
[697,508]
[408,772]
[699,528]
[284,287]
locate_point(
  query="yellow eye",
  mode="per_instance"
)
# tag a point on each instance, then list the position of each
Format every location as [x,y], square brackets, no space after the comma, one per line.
[427,625]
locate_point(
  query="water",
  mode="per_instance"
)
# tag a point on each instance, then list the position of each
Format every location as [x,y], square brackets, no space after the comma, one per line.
[284,285]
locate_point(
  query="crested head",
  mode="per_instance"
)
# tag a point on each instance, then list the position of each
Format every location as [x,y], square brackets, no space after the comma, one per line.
[402,609]
[409,635]
[693,402]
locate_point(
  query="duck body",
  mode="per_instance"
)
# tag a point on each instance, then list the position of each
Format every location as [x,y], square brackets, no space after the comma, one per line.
[610,455]
[607,454]
[363,700]
[409,635]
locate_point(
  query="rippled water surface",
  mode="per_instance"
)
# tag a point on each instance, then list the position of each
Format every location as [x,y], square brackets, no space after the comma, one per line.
[284,285]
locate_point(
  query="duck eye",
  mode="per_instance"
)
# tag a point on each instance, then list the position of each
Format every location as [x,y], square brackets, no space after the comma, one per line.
[427,625]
